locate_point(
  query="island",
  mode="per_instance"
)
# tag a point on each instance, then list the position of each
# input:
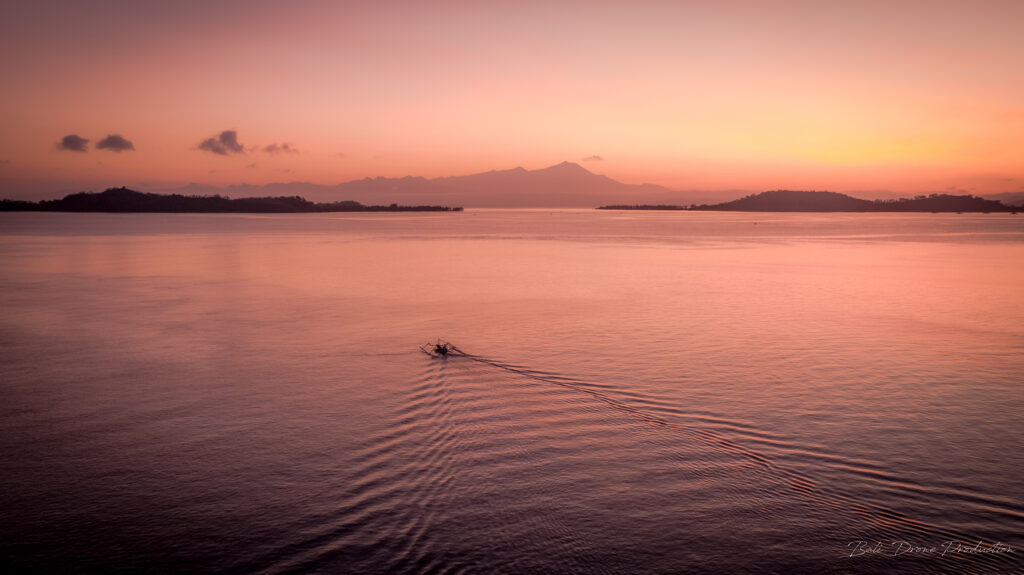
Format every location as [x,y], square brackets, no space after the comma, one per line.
[801,201]
[124,200]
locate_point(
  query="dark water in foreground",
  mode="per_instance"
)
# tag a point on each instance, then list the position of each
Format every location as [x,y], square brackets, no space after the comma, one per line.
[648,393]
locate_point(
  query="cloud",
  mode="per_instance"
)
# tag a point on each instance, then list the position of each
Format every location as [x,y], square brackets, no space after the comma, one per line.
[224,144]
[285,148]
[252,165]
[73,143]
[115,143]
[594,158]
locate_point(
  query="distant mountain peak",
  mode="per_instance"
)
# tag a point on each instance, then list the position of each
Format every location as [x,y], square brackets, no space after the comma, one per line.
[570,165]
[568,168]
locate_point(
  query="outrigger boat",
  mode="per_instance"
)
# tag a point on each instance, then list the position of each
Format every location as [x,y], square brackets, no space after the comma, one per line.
[440,349]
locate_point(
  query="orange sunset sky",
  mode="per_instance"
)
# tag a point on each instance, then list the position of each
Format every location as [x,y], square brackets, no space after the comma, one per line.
[876,98]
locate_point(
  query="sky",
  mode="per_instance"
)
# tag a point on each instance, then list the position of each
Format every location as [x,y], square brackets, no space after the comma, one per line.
[880,98]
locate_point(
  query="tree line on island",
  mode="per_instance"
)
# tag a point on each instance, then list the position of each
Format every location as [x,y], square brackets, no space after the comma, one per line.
[124,200]
[800,201]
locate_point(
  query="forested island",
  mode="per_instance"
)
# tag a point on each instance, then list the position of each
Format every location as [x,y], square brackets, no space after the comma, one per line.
[124,200]
[798,201]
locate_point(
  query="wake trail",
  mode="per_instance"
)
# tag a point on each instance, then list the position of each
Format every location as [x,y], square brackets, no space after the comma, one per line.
[890,522]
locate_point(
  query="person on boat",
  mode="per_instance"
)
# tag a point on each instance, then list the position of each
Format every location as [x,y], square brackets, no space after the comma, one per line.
[441,349]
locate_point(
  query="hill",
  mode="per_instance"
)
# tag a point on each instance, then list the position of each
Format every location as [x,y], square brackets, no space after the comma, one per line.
[801,201]
[123,200]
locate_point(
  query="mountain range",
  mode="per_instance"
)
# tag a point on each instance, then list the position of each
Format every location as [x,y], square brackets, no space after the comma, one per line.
[563,185]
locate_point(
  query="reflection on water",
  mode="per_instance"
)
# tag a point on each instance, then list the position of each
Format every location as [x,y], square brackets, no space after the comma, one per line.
[659,392]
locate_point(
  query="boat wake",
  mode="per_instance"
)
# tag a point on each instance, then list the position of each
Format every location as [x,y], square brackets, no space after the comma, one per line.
[887,525]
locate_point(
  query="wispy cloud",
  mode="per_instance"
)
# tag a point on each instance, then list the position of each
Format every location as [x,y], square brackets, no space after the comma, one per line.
[285,148]
[224,144]
[115,143]
[594,158]
[73,143]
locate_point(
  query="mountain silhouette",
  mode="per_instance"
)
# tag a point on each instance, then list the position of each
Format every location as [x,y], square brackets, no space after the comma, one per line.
[801,201]
[797,201]
[563,185]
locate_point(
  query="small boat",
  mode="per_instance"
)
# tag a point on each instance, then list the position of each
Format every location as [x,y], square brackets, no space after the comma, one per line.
[440,349]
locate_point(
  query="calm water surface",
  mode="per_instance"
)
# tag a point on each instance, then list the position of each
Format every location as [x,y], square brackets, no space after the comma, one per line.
[647,393]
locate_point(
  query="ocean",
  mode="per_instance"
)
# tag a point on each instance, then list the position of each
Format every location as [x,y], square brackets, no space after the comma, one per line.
[639,392]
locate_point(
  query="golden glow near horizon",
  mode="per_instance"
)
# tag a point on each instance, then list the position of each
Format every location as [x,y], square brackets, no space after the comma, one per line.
[895,97]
